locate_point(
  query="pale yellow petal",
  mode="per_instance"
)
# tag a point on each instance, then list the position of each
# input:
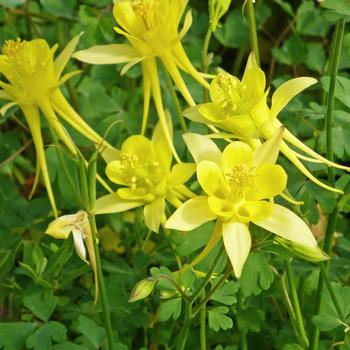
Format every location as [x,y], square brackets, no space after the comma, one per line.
[211,178]
[236,153]
[154,213]
[79,244]
[5,96]
[283,222]
[202,148]
[253,210]
[63,58]
[287,91]
[112,203]
[268,151]
[193,213]
[107,54]
[237,243]
[192,113]
[180,173]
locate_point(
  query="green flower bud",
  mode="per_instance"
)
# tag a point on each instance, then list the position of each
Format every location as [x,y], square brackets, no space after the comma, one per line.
[217,8]
[142,289]
[303,252]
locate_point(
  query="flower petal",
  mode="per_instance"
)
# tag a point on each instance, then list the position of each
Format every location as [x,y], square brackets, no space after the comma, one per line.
[107,54]
[253,210]
[191,214]
[180,173]
[237,243]
[211,178]
[112,203]
[283,222]
[269,180]
[154,214]
[202,148]
[236,153]
[79,244]
[63,58]
[287,91]
[5,96]
[192,113]
[268,151]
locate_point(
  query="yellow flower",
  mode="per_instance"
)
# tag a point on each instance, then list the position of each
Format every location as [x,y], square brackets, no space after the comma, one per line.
[240,107]
[33,81]
[239,185]
[144,170]
[150,26]
[77,224]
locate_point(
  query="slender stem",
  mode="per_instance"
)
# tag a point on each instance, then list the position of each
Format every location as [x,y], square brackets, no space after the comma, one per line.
[208,275]
[243,333]
[339,34]
[203,318]
[296,304]
[185,327]
[332,220]
[253,32]
[101,285]
[205,64]
[331,292]
[176,101]
[212,291]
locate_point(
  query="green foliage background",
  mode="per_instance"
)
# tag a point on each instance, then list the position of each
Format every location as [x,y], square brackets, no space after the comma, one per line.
[46,292]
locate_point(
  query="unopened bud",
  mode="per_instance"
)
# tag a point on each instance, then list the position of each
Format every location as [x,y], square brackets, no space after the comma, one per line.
[142,289]
[217,8]
[303,252]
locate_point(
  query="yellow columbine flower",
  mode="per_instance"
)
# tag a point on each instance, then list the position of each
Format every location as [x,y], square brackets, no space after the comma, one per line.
[150,26]
[33,81]
[240,107]
[239,185]
[78,225]
[144,170]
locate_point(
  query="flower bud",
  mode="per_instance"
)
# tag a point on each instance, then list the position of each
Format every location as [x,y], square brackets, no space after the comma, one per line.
[217,8]
[303,252]
[142,289]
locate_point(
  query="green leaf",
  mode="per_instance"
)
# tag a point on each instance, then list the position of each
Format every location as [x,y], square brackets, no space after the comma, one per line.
[292,347]
[226,294]
[338,7]
[170,308]
[293,51]
[316,57]
[68,346]
[285,6]
[256,276]
[217,319]
[41,302]
[89,328]
[14,334]
[11,3]
[250,320]
[234,32]
[59,8]
[342,87]
[42,338]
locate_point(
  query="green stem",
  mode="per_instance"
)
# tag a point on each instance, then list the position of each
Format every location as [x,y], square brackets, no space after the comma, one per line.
[330,103]
[208,275]
[101,285]
[205,65]
[212,291]
[203,318]
[253,32]
[296,305]
[243,333]
[185,327]
[176,102]
[327,246]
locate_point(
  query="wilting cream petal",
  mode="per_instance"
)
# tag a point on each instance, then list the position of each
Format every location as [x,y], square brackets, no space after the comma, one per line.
[237,243]
[78,237]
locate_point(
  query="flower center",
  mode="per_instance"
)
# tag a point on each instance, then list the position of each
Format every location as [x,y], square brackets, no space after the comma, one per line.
[142,176]
[242,176]
[146,10]
[234,101]
[11,48]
